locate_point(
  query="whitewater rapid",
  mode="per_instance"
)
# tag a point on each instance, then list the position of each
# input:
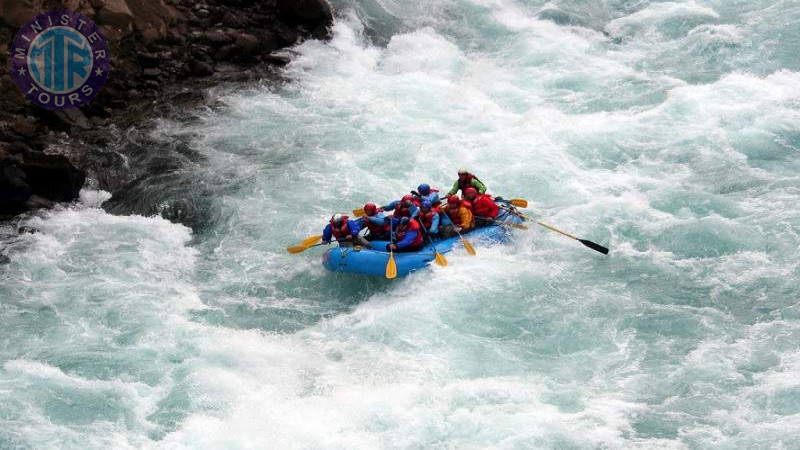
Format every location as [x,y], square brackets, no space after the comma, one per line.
[668,131]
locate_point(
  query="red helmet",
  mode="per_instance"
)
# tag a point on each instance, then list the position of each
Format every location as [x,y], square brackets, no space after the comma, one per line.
[470,192]
[408,198]
[370,209]
[453,200]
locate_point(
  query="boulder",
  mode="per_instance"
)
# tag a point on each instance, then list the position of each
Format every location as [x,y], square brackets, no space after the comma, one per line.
[52,177]
[14,189]
[115,13]
[152,19]
[311,13]
[18,12]
[246,42]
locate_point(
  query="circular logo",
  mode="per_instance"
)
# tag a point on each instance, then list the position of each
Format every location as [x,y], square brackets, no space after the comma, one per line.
[60,60]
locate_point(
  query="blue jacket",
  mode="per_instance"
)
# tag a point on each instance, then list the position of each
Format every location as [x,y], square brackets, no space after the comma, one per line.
[353,225]
[434,224]
[378,219]
[433,197]
[408,238]
[391,206]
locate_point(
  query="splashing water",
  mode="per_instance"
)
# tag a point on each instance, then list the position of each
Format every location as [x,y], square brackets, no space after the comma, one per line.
[669,130]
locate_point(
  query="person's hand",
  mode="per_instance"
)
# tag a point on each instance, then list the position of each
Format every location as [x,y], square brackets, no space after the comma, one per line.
[458,229]
[349,237]
[326,242]
[392,246]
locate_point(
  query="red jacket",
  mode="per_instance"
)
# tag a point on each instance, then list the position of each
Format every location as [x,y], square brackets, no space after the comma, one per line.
[401,233]
[484,206]
[342,232]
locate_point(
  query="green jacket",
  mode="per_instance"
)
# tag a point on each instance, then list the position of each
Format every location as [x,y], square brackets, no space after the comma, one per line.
[476,183]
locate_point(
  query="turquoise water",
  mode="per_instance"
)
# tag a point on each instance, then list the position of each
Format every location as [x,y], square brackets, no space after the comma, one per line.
[668,131]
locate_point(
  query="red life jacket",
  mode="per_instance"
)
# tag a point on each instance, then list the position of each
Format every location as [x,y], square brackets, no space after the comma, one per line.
[427,217]
[484,206]
[402,210]
[342,232]
[412,225]
[466,182]
[377,230]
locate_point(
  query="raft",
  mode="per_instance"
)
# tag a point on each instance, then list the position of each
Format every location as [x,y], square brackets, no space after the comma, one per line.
[373,262]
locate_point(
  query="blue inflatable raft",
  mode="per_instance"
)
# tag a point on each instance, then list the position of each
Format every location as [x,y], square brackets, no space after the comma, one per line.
[373,262]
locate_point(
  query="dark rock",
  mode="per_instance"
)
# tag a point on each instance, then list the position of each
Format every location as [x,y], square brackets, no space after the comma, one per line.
[73,117]
[233,20]
[148,60]
[152,73]
[25,126]
[200,68]
[53,177]
[312,13]
[14,188]
[115,13]
[215,38]
[278,59]
[246,42]
[37,202]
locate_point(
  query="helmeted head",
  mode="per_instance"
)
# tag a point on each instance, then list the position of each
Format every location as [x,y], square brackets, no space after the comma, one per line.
[426,205]
[337,219]
[408,199]
[470,193]
[370,209]
[424,189]
[453,201]
[462,173]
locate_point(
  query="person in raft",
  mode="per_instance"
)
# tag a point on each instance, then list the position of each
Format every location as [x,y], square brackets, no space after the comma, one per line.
[376,221]
[426,193]
[345,231]
[466,180]
[456,218]
[404,207]
[407,235]
[484,209]
[429,218]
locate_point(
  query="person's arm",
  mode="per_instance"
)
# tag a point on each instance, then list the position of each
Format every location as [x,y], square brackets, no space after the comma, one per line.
[479,186]
[466,218]
[327,233]
[434,224]
[454,190]
[414,211]
[354,226]
[446,219]
[408,238]
[434,197]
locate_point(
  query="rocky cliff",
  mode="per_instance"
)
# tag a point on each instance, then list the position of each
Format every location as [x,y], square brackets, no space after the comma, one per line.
[163,53]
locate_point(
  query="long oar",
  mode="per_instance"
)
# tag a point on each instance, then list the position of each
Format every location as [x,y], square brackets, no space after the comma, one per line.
[302,248]
[592,245]
[467,245]
[440,259]
[391,266]
[518,226]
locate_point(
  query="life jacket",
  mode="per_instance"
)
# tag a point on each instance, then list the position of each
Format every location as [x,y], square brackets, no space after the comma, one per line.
[342,232]
[454,216]
[484,206]
[467,204]
[412,225]
[466,182]
[426,218]
[401,210]
[377,229]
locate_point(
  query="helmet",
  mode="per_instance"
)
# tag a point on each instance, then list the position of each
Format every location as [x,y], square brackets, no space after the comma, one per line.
[453,200]
[336,219]
[426,204]
[405,221]
[370,209]
[463,170]
[424,189]
[408,198]
[470,191]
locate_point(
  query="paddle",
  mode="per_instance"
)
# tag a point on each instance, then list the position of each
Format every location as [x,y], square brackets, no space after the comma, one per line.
[302,248]
[358,212]
[522,203]
[518,226]
[391,266]
[592,245]
[305,244]
[440,259]
[466,243]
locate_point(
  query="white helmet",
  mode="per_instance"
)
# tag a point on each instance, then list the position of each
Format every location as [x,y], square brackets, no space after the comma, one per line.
[337,219]
[463,170]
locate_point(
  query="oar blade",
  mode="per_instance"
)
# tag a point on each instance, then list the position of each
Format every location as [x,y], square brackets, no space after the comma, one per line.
[311,240]
[468,247]
[440,259]
[391,267]
[297,249]
[522,203]
[594,246]
[358,212]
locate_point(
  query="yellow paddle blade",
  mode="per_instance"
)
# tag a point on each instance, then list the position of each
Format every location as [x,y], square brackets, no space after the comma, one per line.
[391,267]
[522,203]
[468,247]
[297,249]
[440,259]
[310,241]
[358,212]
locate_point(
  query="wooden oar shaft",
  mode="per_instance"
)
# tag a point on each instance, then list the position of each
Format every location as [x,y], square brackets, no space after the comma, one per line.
[550,227]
